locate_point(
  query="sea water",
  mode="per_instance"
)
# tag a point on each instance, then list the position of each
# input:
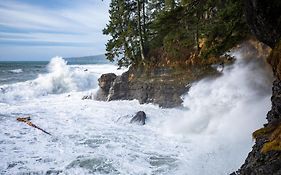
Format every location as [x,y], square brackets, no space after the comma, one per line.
[209,135]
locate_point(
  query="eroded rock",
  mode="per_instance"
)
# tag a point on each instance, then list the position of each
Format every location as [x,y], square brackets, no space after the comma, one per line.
[162,86]
[105,83]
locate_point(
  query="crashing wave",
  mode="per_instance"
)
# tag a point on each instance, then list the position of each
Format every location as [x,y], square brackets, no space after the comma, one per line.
[60,79]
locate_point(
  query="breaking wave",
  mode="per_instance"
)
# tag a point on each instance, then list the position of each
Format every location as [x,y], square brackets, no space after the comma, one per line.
[60,79]
[16,71]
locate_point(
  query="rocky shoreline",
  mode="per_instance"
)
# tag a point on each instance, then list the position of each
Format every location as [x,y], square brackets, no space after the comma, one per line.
[263,17]
[162,86]
[265,163]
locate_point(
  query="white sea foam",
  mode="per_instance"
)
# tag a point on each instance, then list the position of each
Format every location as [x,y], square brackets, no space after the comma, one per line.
[16,71]
[211,135]
[222,113]
[60,78]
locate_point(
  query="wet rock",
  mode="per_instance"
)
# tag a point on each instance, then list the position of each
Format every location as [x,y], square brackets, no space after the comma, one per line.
[120,88]
[162,86]
[263,17]
[105,83]
[87,97]
[258,163]
[53,172]
[139,118]
[106,80]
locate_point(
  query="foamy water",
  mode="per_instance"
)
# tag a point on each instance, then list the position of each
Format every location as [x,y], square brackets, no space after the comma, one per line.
[16,71]
[210,135]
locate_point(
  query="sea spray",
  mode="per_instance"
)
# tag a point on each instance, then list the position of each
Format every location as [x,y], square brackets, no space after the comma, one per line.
[60,79]
[210,135]
[222,113]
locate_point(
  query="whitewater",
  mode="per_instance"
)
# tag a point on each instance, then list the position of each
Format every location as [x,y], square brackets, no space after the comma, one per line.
[209,135]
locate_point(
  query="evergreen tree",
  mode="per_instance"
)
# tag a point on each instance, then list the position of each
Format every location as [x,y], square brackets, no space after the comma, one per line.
[170,4]
[127,28]
[179,28]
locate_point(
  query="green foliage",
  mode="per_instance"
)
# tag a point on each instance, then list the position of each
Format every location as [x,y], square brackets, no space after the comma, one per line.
[170,4]
[226,28]
[139,27]
[124,43]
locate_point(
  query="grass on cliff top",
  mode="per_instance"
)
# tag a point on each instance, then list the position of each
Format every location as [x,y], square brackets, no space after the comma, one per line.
[273,135]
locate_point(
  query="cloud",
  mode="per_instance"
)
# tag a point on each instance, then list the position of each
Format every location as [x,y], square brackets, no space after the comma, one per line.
[71,23]
[39,52]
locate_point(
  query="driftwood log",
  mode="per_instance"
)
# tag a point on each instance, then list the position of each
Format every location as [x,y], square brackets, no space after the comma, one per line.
[27,121]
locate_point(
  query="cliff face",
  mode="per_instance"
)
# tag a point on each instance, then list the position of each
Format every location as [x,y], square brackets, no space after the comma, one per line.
[264,19]
[162,85]
[265,157]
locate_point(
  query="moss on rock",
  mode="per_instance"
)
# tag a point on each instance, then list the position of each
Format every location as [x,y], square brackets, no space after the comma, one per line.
[275,60]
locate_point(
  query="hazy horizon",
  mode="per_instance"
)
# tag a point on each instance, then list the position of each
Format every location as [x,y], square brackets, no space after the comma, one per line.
[33,30]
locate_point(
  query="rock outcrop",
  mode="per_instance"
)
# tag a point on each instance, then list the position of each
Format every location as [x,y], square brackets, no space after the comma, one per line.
[260,162]
[162,86]
[105,83]
[264,18]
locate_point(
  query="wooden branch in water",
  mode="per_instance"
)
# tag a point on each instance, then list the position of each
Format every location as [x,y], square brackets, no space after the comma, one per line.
[27,121]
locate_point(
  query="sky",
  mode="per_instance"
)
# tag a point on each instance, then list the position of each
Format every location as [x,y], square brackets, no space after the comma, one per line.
[38,30]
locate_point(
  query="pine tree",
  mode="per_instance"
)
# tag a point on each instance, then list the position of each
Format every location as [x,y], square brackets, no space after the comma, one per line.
[127,28]
[170,4]
[138,27]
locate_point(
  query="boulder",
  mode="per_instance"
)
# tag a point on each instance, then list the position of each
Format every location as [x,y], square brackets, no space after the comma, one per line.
[139,118]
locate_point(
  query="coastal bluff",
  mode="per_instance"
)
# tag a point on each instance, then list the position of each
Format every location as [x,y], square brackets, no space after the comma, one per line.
[163,86]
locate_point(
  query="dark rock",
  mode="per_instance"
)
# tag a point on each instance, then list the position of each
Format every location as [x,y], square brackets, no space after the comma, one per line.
[264,19]
[87,97]
[258,163]
[106,80]
[53,172]
[162,86]
[139,118]
[120,87]
[105,83]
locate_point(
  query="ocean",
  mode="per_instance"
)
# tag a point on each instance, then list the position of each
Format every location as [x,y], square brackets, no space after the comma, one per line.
[210,134]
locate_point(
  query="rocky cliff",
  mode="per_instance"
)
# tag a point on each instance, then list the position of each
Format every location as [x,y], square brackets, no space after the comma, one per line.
[161,85]
[264,19]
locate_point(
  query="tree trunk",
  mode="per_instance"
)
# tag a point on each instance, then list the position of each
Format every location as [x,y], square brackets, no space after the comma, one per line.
[144,27]
[197,30]
[140,29]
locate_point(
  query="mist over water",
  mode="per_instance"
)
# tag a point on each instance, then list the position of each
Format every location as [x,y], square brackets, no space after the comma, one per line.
[223,112]
[210,135]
